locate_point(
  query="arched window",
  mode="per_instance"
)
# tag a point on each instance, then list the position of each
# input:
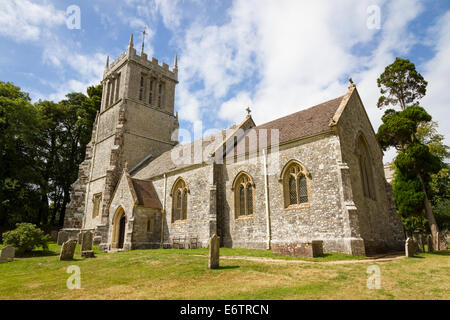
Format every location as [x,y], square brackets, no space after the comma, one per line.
[243,195]
[180,201]
[295,184]
[365,168]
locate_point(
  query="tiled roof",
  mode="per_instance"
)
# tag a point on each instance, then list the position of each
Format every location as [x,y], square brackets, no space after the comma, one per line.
[146,194]
[304,123]
[301,124]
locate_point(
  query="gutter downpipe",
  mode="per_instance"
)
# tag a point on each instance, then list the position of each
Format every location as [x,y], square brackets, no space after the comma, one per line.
[266,191]
[163,212]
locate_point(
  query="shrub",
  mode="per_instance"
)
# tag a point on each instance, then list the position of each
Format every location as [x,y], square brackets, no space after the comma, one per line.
[25,238]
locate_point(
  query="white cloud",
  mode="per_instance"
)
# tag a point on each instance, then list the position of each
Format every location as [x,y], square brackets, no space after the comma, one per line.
[23,20]
[437,72]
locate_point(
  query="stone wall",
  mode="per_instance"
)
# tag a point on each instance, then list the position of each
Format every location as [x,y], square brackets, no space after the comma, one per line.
[380,226]
[199,180]
[321,219]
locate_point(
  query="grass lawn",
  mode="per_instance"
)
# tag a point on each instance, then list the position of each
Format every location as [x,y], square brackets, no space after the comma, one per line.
[182,274]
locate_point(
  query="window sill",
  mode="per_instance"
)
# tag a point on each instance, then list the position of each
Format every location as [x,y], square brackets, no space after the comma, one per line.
[297,207]
[243,218]
[179,222]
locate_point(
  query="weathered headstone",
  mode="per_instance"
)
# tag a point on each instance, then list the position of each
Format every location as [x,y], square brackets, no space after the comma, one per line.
[410,247]
[214,252]
[68,250]
[86,241]
[86,244]
[7,254]
[63,236]
[430,243]
[54,235]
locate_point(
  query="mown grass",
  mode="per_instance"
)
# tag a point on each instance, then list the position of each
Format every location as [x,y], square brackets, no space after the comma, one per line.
[183,274]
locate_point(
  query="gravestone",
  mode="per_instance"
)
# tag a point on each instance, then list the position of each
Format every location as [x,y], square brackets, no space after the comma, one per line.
[86,244]
[63,236]
[410,247]
[68,250]
[86,241]
[7,254]
[430,243]
[214,252]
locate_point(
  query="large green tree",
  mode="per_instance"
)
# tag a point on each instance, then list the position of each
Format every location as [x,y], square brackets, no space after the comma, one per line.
[19,174]
[42,146]
[402,86]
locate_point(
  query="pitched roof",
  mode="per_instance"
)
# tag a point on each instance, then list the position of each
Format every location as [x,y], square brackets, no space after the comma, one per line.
[301,124]
[146,194]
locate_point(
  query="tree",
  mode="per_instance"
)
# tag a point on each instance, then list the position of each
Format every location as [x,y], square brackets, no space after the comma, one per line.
[19,181]
[401,85]
[41,147]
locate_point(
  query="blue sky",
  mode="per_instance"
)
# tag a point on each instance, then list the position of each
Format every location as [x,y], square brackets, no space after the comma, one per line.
[276,56]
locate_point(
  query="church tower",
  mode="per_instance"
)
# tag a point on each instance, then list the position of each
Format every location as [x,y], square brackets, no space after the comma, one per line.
[136,121]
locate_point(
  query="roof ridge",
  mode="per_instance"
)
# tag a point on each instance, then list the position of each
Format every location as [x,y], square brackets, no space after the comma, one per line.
[300,111]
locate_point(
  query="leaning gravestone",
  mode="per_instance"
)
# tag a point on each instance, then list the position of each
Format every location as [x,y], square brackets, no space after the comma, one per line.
[410,247]
[86,244]
[68,250]
[214,252]
[7,254]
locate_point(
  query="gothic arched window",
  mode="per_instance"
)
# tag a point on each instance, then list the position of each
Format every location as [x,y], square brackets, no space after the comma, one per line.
[295,185]
[180,201]
[243,188]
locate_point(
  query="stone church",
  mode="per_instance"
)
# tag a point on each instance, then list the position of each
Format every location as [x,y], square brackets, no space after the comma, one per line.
[315,175]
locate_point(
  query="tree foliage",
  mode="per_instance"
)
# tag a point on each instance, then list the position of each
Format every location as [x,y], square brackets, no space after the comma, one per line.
[25,238]
[42,145]
[401,84]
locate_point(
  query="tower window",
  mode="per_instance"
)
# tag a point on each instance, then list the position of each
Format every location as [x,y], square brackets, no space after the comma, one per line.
[117,87]
[150,98]
[141,90]
[160,95]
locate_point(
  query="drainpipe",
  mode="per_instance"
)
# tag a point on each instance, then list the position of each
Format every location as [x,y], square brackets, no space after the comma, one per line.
[163,212]
[266,191]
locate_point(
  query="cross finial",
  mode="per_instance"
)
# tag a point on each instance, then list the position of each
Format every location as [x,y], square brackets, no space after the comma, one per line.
[351,81]
[144,32]
[249,111]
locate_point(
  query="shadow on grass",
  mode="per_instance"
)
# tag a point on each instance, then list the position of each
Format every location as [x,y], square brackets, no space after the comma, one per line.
[228,267]
[441,253]
[37,253]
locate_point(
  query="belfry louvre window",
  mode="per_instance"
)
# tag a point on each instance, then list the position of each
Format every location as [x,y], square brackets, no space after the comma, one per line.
[180,201]
[96,208]
[243,188]
[141,90]
[151,94]
[295,185]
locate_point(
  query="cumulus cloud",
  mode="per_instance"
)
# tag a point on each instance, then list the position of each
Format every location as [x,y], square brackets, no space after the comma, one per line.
[23,20]
[437,72]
